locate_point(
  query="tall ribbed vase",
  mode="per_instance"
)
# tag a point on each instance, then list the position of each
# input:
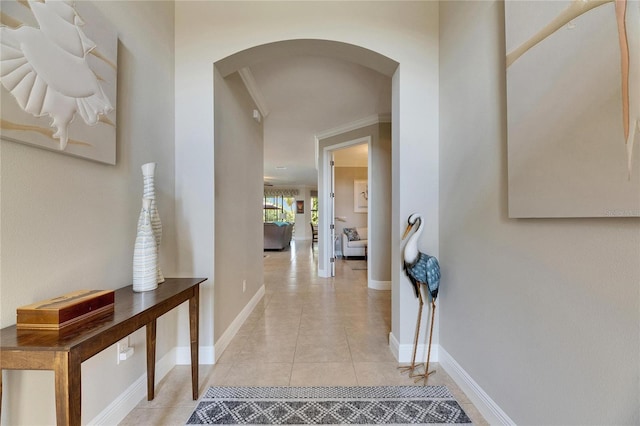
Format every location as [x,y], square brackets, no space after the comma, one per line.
[148,175]
[145,252]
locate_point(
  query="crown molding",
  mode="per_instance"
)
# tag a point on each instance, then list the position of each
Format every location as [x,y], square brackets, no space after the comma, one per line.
[252,87]
[347,127]
[353,125]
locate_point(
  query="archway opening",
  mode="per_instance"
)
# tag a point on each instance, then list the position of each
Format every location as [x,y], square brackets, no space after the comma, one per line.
[225,69]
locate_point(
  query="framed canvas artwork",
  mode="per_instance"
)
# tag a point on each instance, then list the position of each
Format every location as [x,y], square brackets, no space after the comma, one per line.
[573,105]
[360,196]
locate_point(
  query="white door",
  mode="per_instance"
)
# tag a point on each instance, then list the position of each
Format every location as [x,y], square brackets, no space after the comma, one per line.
[332,219]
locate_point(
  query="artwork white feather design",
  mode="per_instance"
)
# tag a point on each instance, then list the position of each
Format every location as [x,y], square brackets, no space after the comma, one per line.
[46,68]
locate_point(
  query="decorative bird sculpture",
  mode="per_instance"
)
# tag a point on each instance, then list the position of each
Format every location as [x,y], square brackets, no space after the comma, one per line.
[421,269]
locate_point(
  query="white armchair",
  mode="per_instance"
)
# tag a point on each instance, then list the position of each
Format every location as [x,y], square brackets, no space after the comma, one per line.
[355,247]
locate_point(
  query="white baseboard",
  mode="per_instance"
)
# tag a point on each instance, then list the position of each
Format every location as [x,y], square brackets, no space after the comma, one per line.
[404,352]
[210,354]
[127,401]
[180,355]
[231,331]
[205,355]
[491,412]
[379,285]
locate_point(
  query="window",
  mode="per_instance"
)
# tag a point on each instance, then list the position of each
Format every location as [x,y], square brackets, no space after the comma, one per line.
[289,209]
[279,208]
[314,209]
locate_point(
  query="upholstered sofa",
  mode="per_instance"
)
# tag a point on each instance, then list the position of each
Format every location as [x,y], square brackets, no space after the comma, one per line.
[354,243]
[277,235]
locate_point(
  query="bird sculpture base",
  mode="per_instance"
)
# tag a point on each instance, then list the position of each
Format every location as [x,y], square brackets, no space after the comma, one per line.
[410,369]
[424,377]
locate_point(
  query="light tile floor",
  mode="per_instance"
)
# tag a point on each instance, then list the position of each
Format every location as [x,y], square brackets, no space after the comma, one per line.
[306,331]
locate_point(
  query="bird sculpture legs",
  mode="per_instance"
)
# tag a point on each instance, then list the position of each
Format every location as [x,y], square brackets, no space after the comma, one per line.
[411,368]
[426,374]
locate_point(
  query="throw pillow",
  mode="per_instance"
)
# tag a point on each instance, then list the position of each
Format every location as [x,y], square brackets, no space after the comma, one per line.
[352,234]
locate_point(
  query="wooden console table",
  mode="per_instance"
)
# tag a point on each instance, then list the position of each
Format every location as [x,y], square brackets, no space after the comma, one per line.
[64,352]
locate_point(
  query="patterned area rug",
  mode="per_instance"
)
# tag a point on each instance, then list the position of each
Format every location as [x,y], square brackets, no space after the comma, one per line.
[398,405]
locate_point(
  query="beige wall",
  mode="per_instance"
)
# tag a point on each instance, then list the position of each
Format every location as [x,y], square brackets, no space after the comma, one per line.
[543,314]
[238,200]
[303,229]
[380,198]
[70,224]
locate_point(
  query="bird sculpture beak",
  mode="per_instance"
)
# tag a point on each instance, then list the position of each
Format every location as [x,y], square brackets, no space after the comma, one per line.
[406,231]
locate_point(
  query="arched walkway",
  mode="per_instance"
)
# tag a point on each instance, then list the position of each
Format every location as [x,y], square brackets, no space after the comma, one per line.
[207,33]
[379,247]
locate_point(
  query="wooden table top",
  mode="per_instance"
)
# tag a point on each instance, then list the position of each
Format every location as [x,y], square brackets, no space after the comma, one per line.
[131,311]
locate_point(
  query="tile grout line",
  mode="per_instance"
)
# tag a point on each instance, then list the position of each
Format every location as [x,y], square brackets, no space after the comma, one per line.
[295,350]
[353,367]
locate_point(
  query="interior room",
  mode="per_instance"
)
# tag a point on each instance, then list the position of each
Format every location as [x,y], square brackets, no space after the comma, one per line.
[538,313]
[351,193]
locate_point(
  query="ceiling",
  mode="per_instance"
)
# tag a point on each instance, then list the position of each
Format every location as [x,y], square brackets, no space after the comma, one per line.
[307,95]
[352,156]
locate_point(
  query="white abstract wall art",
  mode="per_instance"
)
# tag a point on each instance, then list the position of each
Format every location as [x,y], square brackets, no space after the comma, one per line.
[58,71]
[573,108]
[360,196]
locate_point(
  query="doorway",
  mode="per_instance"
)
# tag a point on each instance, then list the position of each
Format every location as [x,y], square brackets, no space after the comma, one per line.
[348,167]
[377,138]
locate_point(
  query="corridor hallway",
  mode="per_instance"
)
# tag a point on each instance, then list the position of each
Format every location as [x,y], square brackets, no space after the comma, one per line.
[307,331]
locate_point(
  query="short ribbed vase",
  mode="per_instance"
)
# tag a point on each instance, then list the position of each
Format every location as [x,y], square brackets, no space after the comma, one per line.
[145,252]
[148,176]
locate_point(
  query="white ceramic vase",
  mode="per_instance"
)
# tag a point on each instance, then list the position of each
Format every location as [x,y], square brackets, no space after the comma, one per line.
[145,252]
[149,191]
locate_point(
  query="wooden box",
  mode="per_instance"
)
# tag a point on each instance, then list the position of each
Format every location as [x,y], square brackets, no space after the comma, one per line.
[61,312]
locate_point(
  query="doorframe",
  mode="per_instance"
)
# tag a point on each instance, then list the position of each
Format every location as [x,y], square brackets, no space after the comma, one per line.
[324,200]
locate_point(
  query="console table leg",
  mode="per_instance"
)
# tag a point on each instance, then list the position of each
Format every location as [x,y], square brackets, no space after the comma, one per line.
[193,328]
[151,360]
[68,388]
